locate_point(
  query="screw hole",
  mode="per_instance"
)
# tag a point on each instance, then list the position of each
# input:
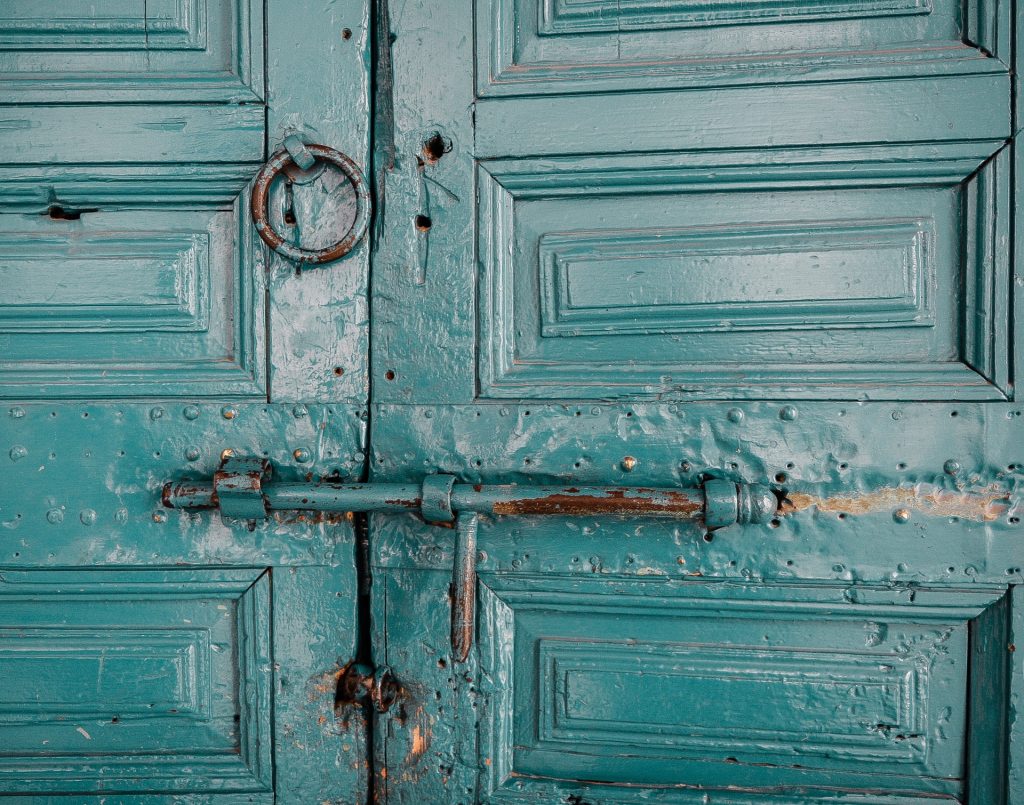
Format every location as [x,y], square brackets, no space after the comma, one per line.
[338,371]
[389,374]
[775,522]
[780,477]
[709,537]
[289,218]
[423,223]
[346,33]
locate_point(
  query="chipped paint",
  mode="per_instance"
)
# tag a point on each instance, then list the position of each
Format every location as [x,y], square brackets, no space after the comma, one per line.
[985,507]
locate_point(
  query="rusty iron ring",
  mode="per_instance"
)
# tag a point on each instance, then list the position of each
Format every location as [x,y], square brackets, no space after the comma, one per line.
[261,207]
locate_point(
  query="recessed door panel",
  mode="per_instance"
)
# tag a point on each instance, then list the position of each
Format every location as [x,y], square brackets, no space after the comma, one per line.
[136,681]
[561,46]
[131,303]
[132,50]
[663,683]
[736,284]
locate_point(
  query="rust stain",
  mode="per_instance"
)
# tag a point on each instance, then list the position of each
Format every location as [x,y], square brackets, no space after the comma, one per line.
[614,501]
[984,506]
[310,517]
[409,503]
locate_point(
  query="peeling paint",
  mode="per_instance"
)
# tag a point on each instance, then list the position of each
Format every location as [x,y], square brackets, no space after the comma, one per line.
[979,506]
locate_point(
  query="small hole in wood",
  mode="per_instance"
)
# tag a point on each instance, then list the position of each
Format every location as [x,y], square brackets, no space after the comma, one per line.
[423,223]
[58,213]
[346,33]
[289,218]
[389,374]
[338,371]
[435,147]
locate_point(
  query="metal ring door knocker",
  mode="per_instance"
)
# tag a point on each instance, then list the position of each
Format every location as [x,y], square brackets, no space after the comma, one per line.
[296,153]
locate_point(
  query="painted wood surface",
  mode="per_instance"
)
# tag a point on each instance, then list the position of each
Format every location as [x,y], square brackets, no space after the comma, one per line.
[767,242]
[153,655]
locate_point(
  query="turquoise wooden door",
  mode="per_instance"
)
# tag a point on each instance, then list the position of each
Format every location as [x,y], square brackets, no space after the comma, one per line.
[639,260]
[658,243]
[151,655]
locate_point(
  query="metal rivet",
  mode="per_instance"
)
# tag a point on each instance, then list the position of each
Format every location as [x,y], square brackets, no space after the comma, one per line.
[428,414]
[302,455]
[192,454]
[228,412]
[951,467]
[18,452]
[55,516]
[17,412]
[226,453]
[87,516]
[788,413]
[628,464]
[156,413]
[901,515]
[191,412]
[299,411]
[735,415]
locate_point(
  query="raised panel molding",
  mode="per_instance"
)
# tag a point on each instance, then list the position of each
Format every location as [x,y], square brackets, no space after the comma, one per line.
[81,25]
[123,282]
[166,50]
[594,687]
[623,319]
[134,682]
[106,663]
[530,47]
[827,274]
[158,290]
[699,686]
[579,16]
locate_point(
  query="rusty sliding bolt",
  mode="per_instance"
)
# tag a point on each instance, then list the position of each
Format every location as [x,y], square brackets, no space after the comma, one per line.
[242,489]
